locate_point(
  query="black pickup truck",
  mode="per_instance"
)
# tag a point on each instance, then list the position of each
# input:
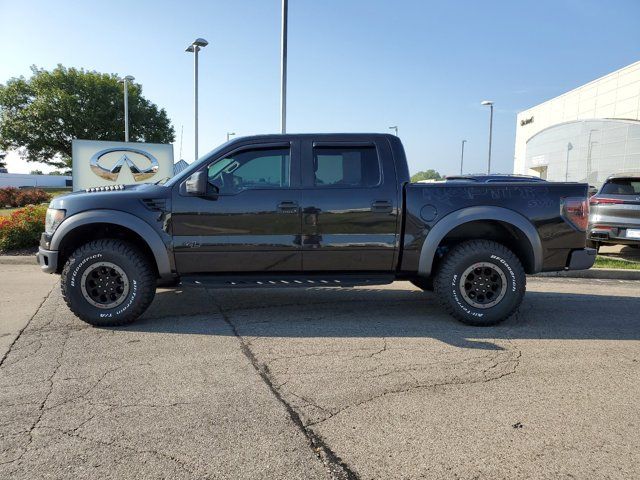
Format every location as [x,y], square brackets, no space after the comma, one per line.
[323,210]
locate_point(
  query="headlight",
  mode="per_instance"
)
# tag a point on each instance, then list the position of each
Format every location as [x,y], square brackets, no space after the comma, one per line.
[53,219]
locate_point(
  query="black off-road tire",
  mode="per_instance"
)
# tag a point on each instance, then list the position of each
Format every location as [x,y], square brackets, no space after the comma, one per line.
[500,262]
[423,283]
[139,277]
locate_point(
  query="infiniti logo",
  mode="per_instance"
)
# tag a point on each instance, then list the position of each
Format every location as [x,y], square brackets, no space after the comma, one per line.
[137,170]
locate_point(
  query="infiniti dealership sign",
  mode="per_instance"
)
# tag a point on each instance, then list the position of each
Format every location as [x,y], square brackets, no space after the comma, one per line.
[97,163]
[111,173]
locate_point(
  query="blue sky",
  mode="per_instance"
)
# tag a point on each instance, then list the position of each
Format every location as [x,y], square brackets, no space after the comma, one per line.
[354,65]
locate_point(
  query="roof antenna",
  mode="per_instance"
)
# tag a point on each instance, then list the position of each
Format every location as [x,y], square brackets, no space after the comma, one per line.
[181,134]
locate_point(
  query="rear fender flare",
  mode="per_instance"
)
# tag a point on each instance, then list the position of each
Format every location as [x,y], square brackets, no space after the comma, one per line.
[471,214]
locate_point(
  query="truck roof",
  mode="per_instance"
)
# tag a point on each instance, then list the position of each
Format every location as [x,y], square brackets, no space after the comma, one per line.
[328,136]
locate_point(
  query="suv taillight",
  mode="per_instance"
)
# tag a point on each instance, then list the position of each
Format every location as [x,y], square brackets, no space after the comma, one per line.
[595,200]
[576,211]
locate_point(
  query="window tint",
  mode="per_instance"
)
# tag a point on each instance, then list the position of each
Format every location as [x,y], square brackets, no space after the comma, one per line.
[252,169]
[622,186]
[346,166]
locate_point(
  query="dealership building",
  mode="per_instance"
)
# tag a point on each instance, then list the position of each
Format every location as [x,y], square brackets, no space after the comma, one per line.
[583,135]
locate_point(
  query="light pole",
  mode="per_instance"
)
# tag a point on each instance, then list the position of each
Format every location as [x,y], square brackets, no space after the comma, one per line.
[394,128]
[124,81]
[589,151]
[462,156]
[566,170]
[489,103]
[194,48]
[229,134]
[283,67]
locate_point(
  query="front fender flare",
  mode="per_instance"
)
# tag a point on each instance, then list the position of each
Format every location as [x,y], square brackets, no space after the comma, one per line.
[142,228]
[471,214]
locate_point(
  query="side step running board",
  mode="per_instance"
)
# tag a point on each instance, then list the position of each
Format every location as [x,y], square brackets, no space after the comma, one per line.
[287,281]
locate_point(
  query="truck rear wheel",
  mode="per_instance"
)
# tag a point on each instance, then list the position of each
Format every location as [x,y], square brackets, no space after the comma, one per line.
[108,283]
[480,282]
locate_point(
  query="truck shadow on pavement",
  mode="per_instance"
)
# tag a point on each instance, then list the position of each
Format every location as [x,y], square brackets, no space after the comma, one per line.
[383,312]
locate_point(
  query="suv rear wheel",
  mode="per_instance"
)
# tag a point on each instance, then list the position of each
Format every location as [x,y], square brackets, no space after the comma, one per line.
[108,283]
[480,282]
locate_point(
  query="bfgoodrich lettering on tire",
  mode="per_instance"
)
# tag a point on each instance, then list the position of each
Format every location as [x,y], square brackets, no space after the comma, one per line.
[108,283]
[480,282]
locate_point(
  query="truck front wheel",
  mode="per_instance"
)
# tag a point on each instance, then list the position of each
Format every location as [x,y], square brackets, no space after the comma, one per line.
[480,282]
[108,282]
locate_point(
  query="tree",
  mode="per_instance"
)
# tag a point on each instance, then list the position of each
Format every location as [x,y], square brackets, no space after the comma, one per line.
[3,163]
[426,175]
[43,114]
[36,172]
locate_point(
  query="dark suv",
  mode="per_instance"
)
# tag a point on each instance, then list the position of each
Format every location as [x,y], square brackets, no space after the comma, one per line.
[615,212]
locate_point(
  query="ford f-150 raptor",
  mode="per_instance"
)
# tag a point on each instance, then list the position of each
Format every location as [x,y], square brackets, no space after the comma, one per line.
[312,210]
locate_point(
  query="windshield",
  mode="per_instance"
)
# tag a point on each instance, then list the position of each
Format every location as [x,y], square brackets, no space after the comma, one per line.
[622,186]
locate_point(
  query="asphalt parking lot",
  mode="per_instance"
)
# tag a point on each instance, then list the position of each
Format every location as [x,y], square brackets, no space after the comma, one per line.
[312,383]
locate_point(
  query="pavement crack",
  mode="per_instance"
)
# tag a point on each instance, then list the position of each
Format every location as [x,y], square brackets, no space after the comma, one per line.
[6,354]
[337,468]
[515,360]
[42,404]
[377,352]
[71,433]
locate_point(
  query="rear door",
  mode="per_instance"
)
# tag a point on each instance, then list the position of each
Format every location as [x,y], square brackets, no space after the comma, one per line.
[253,223]
[350,206]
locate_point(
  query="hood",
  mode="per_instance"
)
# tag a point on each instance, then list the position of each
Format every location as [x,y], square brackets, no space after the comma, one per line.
[107,196]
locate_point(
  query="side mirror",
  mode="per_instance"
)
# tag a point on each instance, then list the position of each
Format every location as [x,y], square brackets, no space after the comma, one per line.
[197,184]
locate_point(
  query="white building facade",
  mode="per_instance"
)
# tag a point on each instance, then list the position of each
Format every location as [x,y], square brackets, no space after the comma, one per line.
[583,135]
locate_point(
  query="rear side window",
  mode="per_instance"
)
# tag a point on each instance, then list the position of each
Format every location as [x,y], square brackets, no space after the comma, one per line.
[622,186]
[346,166]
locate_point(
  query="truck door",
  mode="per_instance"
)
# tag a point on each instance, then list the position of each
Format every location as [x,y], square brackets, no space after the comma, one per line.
[253,223]
[350,206]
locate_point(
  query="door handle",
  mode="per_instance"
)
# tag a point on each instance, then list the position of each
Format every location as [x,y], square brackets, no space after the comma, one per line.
[382,206]
[288,207]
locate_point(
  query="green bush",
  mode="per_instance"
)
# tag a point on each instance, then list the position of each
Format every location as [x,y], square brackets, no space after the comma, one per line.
[22,229]
[14,197]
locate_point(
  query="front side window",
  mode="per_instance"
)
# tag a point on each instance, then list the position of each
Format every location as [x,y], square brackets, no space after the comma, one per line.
[251,169]
[346,166]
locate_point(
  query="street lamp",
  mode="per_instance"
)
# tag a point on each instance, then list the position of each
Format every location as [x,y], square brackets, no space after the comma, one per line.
[128,78]
[229,134]
[566,170]
[194,48]
[589,152]
[462,156]
[283,67]
[489,103]
[394,128]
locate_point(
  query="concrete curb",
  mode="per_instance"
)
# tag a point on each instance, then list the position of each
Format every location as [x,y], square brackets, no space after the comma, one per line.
[601,273]
[18,260]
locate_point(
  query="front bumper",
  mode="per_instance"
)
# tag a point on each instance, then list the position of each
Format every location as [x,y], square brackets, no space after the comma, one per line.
[582,259]
[47,259]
